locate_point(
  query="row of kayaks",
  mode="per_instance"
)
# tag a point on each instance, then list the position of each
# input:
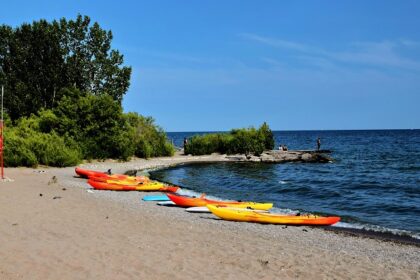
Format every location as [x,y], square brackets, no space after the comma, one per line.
[228,210]
[118,182]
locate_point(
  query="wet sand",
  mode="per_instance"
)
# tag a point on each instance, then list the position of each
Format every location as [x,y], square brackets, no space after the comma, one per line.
[56,229]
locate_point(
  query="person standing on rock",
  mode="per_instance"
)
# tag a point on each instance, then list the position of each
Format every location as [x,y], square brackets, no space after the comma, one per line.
[318,143]
[185,143]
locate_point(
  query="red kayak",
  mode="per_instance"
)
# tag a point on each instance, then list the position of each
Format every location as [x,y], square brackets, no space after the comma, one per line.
[86,173]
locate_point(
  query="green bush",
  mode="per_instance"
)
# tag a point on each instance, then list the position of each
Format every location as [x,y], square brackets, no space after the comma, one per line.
[97,123]
[24,147]
[17,151]
[149,139]
[83,126]
[238,141]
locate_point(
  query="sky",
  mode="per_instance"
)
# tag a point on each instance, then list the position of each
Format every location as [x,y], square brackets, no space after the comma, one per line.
[298,65]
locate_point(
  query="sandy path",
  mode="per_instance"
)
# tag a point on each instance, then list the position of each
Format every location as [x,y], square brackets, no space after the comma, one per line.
[109,235]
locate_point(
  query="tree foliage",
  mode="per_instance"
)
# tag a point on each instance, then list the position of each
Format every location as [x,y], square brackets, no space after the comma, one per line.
[38,60]
[238,141]
[150,139]
[64,88]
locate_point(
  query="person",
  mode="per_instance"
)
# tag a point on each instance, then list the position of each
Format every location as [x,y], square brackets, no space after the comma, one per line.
[185,143]
[318,143]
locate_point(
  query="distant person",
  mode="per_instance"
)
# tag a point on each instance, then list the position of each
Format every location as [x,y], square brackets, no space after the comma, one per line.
[185,142]
[284,148]
[318,143]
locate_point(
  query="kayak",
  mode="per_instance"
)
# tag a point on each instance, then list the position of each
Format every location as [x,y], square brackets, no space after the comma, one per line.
[187,201]
[119,177]
[204,209]
[86,173]
[139,187]
[239,215]
[124,181]
[156,198]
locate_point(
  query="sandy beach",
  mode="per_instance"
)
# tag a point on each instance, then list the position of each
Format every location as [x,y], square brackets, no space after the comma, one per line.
[56,229]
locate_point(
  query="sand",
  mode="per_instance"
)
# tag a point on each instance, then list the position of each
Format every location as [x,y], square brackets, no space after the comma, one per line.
[57,229]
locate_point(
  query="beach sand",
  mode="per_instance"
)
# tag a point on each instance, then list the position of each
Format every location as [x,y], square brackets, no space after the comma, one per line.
[56,229]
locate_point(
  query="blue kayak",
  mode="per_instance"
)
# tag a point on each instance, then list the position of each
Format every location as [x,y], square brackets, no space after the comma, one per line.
[156,198]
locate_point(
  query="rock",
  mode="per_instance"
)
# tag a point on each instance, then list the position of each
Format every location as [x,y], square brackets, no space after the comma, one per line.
[53,180]
[306,157]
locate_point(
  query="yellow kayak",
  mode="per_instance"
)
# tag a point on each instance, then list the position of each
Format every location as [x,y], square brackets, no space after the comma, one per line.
[187,201]
[139,187]
[133,183]
[239,215]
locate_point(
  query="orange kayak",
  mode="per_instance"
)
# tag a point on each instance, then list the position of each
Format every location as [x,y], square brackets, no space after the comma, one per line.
[86,173]
[186,201]
[138,187]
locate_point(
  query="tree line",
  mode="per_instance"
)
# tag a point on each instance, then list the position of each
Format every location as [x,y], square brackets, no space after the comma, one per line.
[65,85]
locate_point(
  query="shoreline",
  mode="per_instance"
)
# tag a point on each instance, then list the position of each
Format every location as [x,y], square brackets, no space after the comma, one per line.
[70,233]
[182,160]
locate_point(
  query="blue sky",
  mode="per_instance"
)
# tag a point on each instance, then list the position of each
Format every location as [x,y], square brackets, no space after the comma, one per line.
[216,65]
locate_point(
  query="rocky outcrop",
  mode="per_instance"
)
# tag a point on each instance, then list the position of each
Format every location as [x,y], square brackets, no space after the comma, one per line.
[284,156]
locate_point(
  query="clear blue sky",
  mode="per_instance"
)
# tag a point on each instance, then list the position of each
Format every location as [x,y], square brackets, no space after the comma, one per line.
[216,65]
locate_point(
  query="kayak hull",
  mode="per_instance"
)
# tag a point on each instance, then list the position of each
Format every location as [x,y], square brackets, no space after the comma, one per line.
[97,175]
[139,187]
[269,218]
[185,201]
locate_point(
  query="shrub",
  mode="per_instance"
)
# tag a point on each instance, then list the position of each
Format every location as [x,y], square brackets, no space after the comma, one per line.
[17,151]
[30,148]
[238,141]
[150,140]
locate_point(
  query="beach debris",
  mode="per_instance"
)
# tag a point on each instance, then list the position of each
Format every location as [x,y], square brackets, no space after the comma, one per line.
[284,227]
[15,224]
[39,171]
[131,173]
[64,189]
[263,262]
[305,230]
[6,179]
[90,191]
[40,194]
[53,180]
[56,197]
[106,217]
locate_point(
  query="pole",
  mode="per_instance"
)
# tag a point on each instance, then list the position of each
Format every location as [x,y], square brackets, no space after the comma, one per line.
[2,138]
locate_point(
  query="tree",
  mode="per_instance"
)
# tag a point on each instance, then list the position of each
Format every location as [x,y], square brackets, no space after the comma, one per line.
[267,136]
[38,60]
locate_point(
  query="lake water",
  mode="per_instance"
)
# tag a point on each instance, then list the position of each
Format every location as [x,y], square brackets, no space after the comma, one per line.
[373,183]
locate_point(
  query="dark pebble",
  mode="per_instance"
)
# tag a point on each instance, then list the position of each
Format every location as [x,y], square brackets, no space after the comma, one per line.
[56,197]
[40,194]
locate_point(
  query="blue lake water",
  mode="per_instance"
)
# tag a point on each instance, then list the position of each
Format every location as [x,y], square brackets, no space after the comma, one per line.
[373,183]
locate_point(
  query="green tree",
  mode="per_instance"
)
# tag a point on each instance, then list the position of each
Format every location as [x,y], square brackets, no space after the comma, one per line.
[150,139]
[267,136]
[38,60]
[96,122]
